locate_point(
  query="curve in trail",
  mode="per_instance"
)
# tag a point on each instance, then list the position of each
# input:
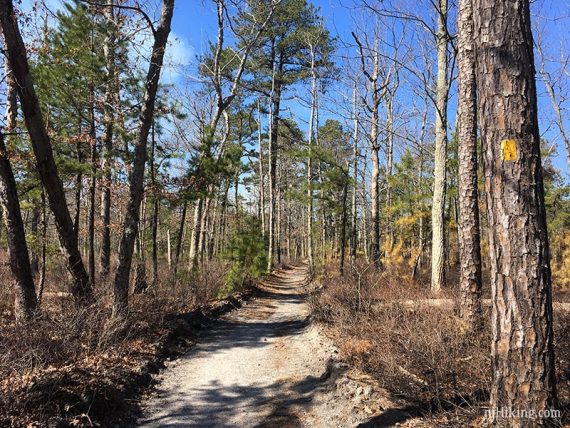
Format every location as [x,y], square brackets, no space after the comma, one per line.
[259,366]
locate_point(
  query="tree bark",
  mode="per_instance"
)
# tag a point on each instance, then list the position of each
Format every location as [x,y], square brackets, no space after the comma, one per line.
[343,221]
[275,103]
[365,212]
[41,145]
[92,191]
[78,185]
[375,180]
[111,101]
[391,95]
[440,156]
[195,237]
[155,209]
[42,278]
[261,173]
[180,237]
[522,331]
[35,221]
[468,225]
[377,94]
[279,217]
[204,227]
[310,246]
[354,228]
[25,293]
[136,190]
[25,302]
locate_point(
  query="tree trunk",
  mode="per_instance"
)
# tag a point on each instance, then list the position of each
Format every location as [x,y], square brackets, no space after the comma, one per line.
[92,192]
[136,190]
[180,237]
[289,224]
[365,219]
[310,249]
[522,331]
[440,156]
[261,173]
[212,227]
[354,229]
[421,240]
[389,164]
[273,136]
[195,237]
[111,101]
[343,222]
[168,249]
[375,182]
[204,227]
[155,210]
[279,223]
[42,279]
[35,221]
[78,186]
[25,293]
[41,145]
[468,224]
[25,302]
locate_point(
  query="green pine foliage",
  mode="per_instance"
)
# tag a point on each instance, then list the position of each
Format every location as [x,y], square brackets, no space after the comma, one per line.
[247,251]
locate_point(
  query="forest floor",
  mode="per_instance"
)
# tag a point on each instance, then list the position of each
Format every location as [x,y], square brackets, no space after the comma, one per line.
[266,365]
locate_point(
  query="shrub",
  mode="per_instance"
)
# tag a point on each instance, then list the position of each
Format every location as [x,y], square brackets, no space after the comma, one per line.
[420,352]
[247,252]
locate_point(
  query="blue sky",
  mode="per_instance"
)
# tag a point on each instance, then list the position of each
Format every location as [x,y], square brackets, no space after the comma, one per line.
[194,23]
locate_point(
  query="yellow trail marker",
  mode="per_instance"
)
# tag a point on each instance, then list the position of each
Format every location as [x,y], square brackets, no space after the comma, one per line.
[509,150]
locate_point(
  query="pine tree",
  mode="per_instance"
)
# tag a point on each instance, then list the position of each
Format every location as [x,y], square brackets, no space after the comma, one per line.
[281,60]
[43,152]
[522,329]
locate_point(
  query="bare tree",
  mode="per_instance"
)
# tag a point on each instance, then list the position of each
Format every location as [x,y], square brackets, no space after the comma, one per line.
[355,155]
[378,81]
[317,57]
[556,97]
[440,156]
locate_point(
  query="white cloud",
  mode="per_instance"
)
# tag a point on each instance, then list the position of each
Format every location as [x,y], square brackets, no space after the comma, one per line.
[179,52]
[179,55]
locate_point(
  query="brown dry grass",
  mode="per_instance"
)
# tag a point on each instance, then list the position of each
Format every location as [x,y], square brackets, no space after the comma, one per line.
[423,355]
[75,368]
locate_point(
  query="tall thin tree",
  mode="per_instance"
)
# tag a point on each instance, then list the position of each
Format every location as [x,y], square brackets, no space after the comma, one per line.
[43,153]
[468,224]
[136,189]
[440,155]
[25,303]
[111,102]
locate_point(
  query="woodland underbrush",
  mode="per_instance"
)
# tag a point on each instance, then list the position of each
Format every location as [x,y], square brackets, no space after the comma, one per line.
[71,367]
[418,349]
